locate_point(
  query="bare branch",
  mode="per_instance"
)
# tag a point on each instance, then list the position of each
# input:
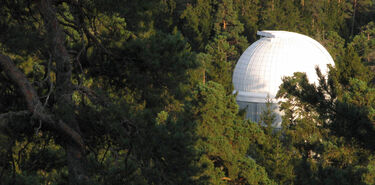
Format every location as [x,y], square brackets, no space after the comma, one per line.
[76,58]
[93,96]
[68,25]
[48,79]
[97,41]
[4,117]
[13,114]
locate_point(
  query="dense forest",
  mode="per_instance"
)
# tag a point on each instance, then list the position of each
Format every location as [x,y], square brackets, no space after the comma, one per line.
[140,92]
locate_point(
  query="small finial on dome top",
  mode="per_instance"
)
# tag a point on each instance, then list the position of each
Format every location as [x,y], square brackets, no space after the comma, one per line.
[278,34]
[265,34]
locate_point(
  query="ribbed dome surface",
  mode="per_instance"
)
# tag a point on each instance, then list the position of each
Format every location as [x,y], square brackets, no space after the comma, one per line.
[261,67]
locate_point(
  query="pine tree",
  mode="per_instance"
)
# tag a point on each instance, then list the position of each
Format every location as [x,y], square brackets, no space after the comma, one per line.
[350,66]
[197,24]
[270,152]
[223,140]
[68,114]
[248,14]
[364,44]
[326,129]
[226,46]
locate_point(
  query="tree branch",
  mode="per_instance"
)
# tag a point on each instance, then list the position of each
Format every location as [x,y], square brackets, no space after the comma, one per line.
[64,91]
[5,116]
[93,96]
[34,105]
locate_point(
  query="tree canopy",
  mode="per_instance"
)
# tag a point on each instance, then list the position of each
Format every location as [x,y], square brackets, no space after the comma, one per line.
[140,92]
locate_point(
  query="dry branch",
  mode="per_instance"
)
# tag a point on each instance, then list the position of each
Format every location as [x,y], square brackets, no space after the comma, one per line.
[4,117]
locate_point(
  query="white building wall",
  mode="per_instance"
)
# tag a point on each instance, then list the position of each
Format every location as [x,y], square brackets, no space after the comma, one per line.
[254,110]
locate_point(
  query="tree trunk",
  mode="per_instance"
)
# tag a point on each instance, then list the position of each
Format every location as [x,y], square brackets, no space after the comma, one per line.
[64,91]
[353,22]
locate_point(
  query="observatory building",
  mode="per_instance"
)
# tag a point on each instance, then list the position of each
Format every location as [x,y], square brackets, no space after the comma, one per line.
[260,69]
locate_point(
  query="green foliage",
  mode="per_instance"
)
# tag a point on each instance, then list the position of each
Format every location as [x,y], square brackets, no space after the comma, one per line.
[168,53]
[248,11]
[270,151]
[197,23]
[280,15]
[364,43]
[222,52]
[217,65]
[144,114]
[349,66]
[369,177]
[224,140]
[356,113]
[327,133]
[334,44]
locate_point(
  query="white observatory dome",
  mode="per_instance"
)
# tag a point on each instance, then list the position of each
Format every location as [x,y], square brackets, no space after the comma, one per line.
[260,69]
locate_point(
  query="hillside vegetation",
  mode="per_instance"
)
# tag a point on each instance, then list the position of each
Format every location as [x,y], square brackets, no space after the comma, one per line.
[139,92]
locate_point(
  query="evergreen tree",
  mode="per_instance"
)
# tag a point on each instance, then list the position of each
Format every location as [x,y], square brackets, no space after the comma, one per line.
[109,92]
[223,51]
[90,127]
[364,44]
[350,66]
[270,151]
[224,140]
[326,129]
[198,22]
[334,44]
[280,15]
[248,14]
